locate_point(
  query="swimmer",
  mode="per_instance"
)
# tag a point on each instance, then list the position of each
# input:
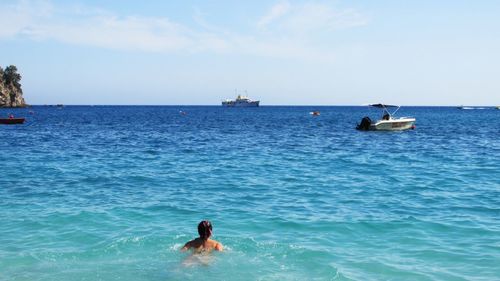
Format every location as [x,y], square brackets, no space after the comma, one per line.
[203,243]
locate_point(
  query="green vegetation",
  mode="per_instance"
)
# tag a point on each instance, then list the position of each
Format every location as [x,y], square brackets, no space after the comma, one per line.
[10,76]
[10,87]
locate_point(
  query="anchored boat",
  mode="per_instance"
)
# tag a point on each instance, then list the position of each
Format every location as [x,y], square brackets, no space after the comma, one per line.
[11,121]
[241,101]
[388,121]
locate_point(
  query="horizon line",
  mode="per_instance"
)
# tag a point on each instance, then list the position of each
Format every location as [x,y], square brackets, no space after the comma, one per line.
[214,105]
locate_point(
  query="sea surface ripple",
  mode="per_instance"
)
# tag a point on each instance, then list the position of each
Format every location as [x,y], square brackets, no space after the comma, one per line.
[113,192]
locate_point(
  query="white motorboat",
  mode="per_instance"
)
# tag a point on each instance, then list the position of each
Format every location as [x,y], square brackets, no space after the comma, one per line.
[388,121]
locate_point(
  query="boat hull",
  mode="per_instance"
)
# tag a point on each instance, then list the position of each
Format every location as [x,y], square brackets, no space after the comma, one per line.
[11,121]
[240,104]
[393,125]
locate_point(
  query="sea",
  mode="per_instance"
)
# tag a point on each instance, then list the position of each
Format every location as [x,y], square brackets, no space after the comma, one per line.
[113,193]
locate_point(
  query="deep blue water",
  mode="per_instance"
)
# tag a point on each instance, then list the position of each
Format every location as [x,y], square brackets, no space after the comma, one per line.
[112,193]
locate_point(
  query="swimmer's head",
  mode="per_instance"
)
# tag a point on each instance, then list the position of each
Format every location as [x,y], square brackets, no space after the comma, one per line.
[205,229]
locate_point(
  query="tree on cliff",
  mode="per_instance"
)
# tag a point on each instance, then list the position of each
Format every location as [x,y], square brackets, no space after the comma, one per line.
[10,76]
[11,94]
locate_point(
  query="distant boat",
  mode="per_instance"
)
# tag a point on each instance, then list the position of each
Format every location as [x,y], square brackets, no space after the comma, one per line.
[11,121]
[314,113]
[388,121]
[240,101]
[470,107]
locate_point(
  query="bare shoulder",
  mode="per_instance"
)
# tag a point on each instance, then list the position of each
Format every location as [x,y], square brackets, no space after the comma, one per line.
[188,245]
[217,245]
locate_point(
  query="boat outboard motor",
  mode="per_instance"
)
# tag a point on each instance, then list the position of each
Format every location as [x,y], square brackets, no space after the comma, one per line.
[365,124]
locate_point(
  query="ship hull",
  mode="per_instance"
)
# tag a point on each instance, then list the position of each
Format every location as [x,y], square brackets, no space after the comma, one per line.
[240,104]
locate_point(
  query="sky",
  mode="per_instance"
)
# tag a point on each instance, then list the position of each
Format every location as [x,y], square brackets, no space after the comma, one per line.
[280,52]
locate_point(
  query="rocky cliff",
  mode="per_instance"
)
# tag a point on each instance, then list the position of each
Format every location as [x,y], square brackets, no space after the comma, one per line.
[11,94]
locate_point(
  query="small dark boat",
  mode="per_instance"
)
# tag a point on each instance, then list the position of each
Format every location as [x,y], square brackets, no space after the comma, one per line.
[10,121]
[314,113]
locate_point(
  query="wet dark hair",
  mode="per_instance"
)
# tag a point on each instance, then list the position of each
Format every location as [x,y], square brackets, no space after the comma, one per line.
[205,229]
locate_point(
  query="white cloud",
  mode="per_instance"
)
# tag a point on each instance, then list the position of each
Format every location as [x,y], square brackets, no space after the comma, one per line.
[131,33]
[79,25]
[16,18]
[277,11]
[316,17]
[75,25]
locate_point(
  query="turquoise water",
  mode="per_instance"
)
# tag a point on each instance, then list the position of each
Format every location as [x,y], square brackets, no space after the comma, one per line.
[112,193]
